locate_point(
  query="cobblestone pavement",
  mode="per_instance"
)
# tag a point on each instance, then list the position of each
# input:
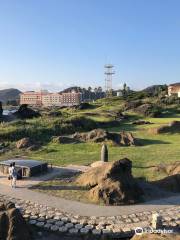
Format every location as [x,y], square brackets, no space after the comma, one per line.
[53,219]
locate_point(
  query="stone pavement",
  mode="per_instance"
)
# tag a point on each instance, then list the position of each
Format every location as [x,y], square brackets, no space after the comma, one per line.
[72,217]
[85,209]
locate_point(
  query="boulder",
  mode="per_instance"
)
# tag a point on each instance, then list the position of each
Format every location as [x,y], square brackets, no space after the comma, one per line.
[96,135]
[24,143]
[112,183]
[24,112]
[12,224]
[63,140]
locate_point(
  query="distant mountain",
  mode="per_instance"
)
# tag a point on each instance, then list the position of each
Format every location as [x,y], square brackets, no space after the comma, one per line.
[10,94]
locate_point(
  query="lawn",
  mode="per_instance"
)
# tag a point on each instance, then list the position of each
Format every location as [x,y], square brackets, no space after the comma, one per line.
[154,149]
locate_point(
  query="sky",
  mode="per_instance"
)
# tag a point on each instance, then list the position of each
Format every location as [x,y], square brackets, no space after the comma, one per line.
[53,44]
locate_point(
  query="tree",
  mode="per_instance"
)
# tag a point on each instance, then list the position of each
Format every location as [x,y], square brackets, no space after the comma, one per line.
[1,109]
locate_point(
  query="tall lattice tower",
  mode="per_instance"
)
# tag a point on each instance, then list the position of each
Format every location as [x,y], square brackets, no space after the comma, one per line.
[109,72]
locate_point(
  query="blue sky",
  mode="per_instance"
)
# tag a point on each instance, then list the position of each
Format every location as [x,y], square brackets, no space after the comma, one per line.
[58,43]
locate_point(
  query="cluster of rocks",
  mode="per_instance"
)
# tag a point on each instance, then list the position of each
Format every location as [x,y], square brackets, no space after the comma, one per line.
[52,219]
[12,223]
[98,136]
[26,143]
[112,183]
[173,127]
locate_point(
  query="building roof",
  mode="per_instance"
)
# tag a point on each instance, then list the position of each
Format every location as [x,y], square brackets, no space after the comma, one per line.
[23,163]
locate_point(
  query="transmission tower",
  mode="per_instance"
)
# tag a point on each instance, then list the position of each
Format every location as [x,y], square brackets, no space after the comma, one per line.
[108,79]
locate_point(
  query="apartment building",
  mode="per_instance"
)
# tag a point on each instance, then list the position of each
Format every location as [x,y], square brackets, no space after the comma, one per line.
[47,99]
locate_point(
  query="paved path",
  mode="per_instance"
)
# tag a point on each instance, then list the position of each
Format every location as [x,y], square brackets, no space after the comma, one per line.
[78,208]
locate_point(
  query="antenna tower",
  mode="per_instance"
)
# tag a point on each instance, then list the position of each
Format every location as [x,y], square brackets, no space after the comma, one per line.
[109,72]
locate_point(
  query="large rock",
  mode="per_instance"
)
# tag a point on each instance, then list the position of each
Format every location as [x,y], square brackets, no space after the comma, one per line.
[25,112]
[112,183]
[27,143]
[100,135]
[23,143]
[12,224]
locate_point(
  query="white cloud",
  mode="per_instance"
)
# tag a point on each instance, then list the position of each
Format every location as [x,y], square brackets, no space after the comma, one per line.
[24,86]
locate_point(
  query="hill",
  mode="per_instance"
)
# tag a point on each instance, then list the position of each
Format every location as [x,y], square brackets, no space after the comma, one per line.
[9,94]
[155,89]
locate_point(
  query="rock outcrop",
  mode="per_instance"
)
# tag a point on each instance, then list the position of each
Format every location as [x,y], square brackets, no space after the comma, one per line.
[24,112]
[100,135]
[112,183]
[23,143]
[12,224]
[27,143]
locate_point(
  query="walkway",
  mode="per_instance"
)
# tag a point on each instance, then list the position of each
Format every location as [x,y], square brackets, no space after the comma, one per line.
[83,209]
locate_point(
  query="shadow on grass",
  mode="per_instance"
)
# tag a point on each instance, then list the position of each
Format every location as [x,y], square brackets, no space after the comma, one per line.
[145,142]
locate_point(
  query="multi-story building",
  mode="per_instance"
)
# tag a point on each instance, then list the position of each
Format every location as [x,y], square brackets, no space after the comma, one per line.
[52,99]
[174,89]
[71,98]
[32,98]
[47,99]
